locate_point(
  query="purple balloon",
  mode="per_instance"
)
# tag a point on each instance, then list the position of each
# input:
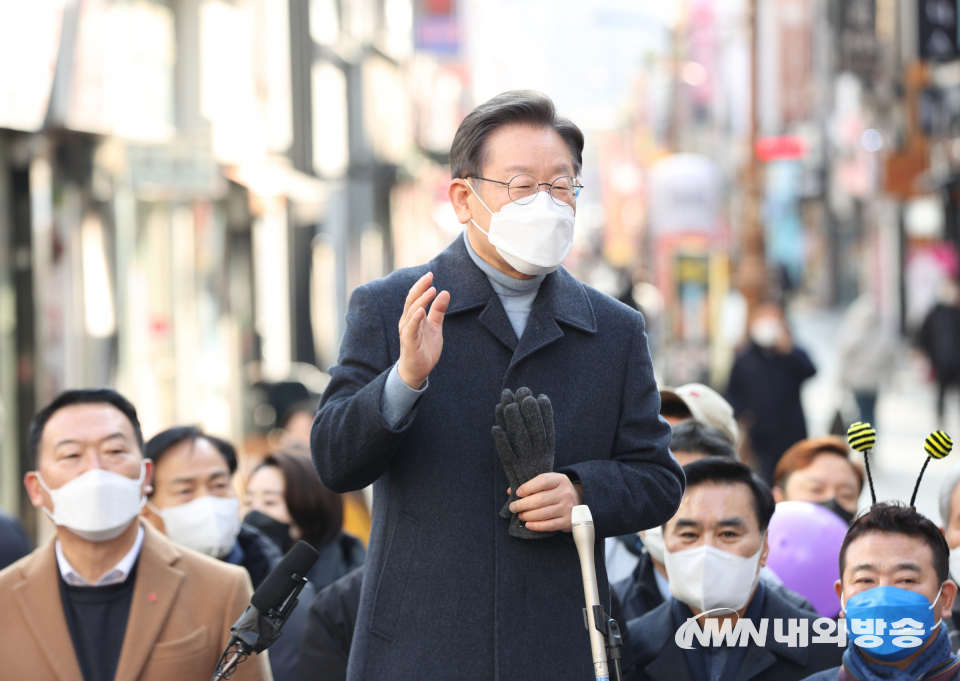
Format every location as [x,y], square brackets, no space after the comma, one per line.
[805,544]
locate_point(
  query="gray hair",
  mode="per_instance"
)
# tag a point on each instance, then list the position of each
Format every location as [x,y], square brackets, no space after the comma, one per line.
[946,492]
[468,153]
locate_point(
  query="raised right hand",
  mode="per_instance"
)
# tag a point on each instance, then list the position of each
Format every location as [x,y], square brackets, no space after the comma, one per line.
[421,332]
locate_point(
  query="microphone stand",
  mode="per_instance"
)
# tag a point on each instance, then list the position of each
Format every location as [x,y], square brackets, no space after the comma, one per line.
[254,632]
[605,638]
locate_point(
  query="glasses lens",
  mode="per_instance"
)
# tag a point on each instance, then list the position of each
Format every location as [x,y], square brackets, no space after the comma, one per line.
[522,189]
[564,190]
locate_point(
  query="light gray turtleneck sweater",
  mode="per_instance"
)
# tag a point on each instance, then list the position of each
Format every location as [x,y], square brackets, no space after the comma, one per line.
[516,295]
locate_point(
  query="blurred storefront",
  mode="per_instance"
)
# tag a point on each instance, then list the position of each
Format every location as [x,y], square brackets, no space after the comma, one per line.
[189,190]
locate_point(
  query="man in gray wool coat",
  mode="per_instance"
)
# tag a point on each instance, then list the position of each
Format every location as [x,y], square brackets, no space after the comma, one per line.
[453,588]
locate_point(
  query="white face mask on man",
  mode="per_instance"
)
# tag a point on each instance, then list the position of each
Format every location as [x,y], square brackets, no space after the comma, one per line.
[97,505]
[955,562]
[707,578]
[208,524]
[653,542]
[534,237]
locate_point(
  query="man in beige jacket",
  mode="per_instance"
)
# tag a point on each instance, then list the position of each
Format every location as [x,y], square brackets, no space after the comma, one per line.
[110,598]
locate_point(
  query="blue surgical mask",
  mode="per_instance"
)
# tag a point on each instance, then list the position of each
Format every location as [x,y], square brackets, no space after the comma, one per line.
[888,623]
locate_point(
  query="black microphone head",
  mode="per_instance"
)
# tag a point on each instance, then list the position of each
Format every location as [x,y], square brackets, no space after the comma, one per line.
[279,583]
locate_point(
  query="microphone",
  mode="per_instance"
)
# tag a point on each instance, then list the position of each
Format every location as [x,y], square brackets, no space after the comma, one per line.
[583,536]
[270,606]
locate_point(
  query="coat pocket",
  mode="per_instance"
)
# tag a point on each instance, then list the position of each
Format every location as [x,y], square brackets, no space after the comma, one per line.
[391,590]
[184,647]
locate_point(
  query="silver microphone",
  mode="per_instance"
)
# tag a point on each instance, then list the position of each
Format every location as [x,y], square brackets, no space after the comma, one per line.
[583,536]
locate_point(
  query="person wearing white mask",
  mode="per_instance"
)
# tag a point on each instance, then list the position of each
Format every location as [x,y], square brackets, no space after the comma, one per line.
[194,502]
[470,543]
[713,549]
[109,598]
[764,388]
[647,585]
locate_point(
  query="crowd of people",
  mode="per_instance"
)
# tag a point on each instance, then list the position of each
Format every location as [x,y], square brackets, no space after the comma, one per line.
[705,503]
[155,556]
[152,537]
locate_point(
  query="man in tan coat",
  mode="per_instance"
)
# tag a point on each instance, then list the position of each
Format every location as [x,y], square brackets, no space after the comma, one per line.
[110,598]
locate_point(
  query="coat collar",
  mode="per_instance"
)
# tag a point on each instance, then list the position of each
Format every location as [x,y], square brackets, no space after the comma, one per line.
[561,299]
[38,597]
[671,663]
[158,581]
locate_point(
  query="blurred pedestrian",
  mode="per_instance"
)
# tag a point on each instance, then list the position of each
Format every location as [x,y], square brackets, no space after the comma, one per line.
[819,470]
[867,353]
[714,549]
[194,502]
[109,597]
[764,388]
[13,540]
[940,341]
[288,503]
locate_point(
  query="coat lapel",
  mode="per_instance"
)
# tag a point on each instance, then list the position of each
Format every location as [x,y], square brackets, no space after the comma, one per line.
[38,597]
[158,582]
[760,658]
[561,299]
[669,665]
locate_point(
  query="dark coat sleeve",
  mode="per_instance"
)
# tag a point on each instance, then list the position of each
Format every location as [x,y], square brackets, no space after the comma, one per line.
[351,442]
[801,363]
[328,637]
[735,391]
[641,484]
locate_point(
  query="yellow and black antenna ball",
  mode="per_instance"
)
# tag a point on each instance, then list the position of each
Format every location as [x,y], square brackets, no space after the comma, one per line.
[938,444]
[863,436]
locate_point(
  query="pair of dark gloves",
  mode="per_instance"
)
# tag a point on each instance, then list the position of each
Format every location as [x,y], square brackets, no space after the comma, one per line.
[525,438]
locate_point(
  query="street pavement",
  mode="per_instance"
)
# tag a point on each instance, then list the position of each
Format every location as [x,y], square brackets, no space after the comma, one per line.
[906,414]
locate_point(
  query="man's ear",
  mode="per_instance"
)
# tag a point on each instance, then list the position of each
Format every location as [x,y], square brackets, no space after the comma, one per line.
[765,551]
[838,588]
[778,495]
[459,194]
[147,487]
[947,595]
[38,496]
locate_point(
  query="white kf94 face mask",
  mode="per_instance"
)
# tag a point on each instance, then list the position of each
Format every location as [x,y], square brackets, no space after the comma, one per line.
[97,505]
[707,578]
[533,238]
[208,524]
[653,542]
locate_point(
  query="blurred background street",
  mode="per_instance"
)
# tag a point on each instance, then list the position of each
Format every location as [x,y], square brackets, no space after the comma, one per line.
[191,189]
